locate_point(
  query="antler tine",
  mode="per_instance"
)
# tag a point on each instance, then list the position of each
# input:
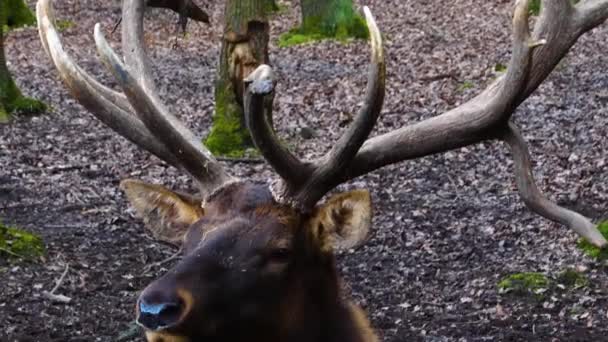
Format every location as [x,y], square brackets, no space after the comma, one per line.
[328,169]
[134,49]
[349,143]
[535,200]
[260,83]
[45,13]
[485,116]
[139,65]
[155,130]
[351,140]
[304,183]
[192,157]
[141,93]
[108,106]
[469,123]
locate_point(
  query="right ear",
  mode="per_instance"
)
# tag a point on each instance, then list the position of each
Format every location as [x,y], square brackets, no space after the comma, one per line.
[167,214]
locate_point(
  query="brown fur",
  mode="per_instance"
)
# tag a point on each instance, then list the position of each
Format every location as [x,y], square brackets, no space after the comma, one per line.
[163,337]
[255,270]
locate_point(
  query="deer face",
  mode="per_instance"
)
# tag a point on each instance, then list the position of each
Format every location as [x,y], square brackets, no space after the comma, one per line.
[250,265]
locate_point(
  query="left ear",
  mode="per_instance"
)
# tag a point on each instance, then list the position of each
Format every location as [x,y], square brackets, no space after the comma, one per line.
[343,221]
[167,214]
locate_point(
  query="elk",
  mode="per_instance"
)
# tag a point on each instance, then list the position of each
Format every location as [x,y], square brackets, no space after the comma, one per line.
[258,258]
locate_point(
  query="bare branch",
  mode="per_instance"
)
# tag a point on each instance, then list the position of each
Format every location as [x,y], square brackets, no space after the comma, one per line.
[57,297]
[535,200]
[196,160]
[259,84]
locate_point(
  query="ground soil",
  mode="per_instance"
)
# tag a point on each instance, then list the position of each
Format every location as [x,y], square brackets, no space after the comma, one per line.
[446,229]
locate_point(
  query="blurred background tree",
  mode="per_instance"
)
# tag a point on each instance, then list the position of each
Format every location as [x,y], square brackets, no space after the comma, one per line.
[244,48]
[326,19]
[14,14]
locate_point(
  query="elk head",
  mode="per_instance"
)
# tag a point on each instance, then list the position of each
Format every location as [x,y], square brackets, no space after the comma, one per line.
[258,258]
[247,261]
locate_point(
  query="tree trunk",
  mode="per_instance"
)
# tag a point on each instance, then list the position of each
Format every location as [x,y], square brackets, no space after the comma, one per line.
[332,18]
[17,14]
[244,48]
[13,13]
[3,71]
[8,90]
[271,6]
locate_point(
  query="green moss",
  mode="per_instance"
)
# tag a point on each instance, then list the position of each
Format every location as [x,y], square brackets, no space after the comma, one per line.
[524,283]
[27,105]
[593,251]
[228,136]
[341,23]
[18,243]
[295,37]
[4,117]
[18,14]
[500,68]
[572,278]
[342,33]
[534,7]
[465,85]
[13,102]
[354,27]
[63,25]
[9,93]
[272,7]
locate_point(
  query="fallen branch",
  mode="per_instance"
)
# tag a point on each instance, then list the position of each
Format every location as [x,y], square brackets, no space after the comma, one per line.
[50,295]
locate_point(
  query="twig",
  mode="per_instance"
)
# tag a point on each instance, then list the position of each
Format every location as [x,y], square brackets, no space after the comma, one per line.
[55,297]
[60,280]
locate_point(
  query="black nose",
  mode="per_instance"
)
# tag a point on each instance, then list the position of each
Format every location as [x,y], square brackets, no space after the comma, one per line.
[154,315]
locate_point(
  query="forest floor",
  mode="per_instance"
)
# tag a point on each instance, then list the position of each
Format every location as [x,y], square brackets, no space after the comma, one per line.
[446,228]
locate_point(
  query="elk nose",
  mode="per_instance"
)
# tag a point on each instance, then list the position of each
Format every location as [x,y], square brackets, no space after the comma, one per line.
[159,314]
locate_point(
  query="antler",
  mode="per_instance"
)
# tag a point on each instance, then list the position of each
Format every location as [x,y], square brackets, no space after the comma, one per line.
[139,116]
[534,199]
[304,183]
[484,117]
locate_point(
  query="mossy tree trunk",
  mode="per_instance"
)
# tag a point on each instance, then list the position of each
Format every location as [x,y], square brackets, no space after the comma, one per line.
[332,18]
[271,6]
[13,13]
[244,48]
[6,82]
[16,14]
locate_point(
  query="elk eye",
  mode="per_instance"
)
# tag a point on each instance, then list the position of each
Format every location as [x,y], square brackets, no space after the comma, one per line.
[280,254]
